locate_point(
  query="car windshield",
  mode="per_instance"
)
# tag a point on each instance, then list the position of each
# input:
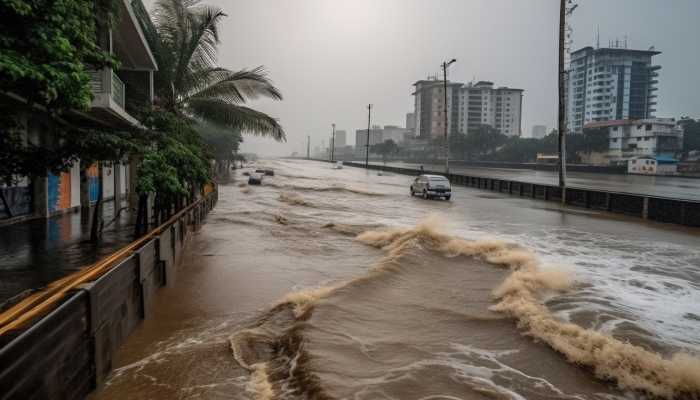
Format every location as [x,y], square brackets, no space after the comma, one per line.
[438,179]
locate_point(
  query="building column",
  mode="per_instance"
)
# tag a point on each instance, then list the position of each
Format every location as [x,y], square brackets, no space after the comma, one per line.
[40,196]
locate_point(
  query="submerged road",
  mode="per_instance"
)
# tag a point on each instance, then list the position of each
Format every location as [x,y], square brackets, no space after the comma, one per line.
[336,284]
[659,186]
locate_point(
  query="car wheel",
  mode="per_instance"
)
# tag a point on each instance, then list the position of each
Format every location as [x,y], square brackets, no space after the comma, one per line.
[412,192]
[447,198]
[425,195]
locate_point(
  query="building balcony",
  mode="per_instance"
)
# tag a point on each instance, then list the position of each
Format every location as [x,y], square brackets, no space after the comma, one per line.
[109,99]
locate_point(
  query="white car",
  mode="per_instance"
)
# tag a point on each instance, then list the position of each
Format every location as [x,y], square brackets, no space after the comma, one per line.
[430,186]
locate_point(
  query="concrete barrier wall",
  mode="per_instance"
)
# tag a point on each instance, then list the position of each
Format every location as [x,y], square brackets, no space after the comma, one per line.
[661,209]
[70,352]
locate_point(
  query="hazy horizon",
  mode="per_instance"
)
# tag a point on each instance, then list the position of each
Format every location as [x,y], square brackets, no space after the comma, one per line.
[331,58]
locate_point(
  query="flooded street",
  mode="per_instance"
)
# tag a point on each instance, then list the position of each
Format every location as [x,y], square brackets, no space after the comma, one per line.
[336,284]
[37,252]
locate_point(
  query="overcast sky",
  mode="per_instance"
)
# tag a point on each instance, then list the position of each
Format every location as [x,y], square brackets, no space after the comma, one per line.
[330,58]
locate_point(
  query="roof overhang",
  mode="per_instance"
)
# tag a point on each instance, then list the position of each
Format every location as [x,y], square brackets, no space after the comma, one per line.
[129,43]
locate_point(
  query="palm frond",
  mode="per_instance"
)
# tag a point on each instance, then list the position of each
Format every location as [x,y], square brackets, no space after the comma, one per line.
[236,117]
[239,87]
[203,37]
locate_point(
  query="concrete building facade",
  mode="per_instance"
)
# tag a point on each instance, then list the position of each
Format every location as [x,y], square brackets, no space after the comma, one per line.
[468,106]
[482,104]
[610,84]
[429,108]
[650,138]
[410,121]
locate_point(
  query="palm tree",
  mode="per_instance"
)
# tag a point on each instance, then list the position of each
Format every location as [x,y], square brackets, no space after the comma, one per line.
[183,36]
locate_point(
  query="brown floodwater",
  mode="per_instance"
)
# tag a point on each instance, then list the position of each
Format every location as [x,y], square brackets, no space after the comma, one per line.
[336,284]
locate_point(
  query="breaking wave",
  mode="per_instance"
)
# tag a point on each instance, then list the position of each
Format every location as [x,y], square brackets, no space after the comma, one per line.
[273,349]
[520,296]
[294,199]
[349,229]
[334,188]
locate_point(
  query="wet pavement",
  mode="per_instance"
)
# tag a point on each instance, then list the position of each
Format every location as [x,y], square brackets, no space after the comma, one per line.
[37,252]
[659,186]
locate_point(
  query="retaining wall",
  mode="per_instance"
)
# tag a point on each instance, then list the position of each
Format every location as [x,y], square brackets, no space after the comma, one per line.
[70,351]
[661,209]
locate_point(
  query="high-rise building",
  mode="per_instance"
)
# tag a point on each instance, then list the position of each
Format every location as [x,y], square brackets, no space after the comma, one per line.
[482,104]
[429,114]
[468,106]
[375,136]
[610,84]
[340,138]
[538,131]
[411,121]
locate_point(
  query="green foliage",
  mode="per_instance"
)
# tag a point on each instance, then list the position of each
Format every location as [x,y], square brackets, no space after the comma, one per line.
[45,47]
[221,143]
[67,144]
[385,149]
[184,36]
[176,161]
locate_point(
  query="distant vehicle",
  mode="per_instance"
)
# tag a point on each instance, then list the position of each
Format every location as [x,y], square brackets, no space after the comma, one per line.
[255,179]
[338,165]
[268,172]
[431,186]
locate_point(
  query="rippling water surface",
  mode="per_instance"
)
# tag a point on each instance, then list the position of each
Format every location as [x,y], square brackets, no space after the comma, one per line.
[336,284]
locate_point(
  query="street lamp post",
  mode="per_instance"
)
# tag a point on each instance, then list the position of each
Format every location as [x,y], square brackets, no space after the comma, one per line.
[447,148]
[369,118]
[333,144]
[566,7]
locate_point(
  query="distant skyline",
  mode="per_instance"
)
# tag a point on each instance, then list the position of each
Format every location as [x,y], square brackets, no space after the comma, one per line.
[330,58]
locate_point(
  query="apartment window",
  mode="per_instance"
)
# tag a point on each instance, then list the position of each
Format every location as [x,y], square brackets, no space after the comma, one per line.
[646,138]
[647,127]
[639,139]
[613,140]
[615,128]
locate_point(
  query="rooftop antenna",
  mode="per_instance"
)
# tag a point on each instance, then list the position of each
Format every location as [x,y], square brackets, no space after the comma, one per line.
[625,41]
[597,38]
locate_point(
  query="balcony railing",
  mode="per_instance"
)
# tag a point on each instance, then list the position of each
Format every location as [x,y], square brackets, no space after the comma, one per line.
[118,91]
[106,81]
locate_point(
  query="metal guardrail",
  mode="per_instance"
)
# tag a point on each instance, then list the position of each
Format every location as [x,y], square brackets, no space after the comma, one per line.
[38,304]
[67,350]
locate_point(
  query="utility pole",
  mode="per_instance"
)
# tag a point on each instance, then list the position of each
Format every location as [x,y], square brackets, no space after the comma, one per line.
[369,119]
[333,144]
[564,11]
[444,79]
[308,147]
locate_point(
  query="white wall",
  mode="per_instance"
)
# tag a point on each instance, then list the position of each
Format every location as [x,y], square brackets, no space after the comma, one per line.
[124,178]
[107,182]
[75,185]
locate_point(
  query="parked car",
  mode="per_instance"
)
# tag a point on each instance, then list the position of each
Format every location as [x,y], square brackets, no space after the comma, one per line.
[430,186]
[255,179]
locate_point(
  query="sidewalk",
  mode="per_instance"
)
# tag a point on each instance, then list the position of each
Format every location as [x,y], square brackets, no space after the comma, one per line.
[36,252]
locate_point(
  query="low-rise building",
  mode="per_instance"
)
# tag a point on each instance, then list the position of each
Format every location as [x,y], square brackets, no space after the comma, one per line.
[652,166]
[629,139]
[117,94]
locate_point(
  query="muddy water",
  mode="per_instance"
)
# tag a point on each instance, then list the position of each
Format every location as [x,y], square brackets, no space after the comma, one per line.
[330,284]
